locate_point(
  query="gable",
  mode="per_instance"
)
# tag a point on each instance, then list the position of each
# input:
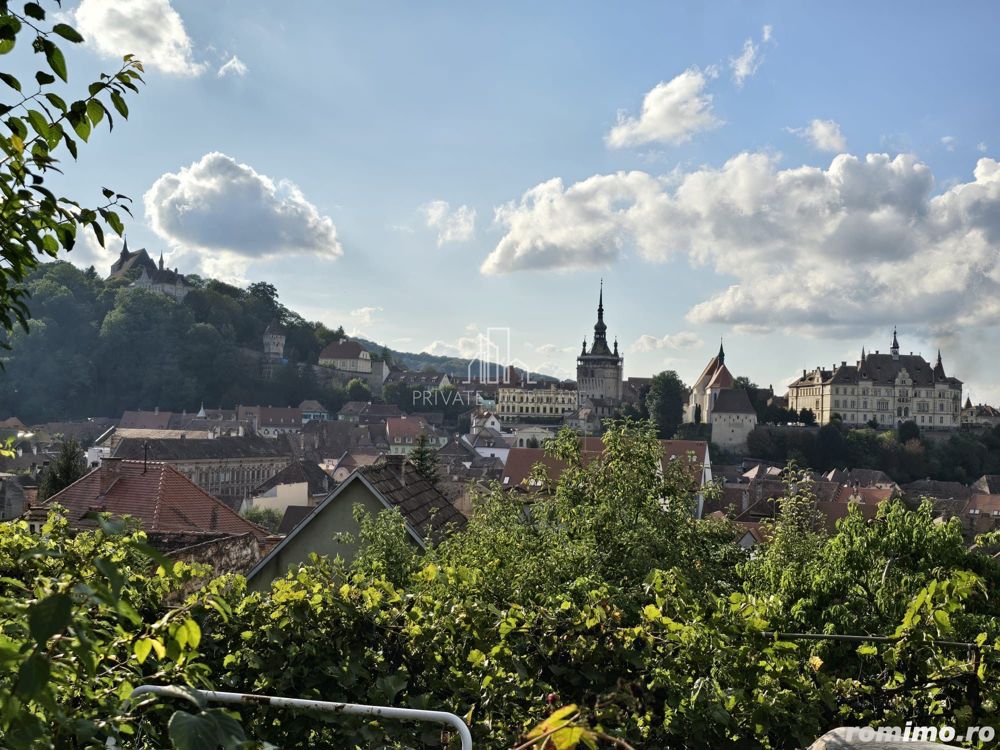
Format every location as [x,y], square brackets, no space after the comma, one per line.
[316,532]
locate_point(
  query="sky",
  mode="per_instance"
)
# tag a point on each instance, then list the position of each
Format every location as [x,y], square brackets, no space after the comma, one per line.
[794,179]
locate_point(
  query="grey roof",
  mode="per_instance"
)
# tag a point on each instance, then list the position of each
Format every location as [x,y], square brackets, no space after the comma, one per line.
[422,505]
[293,517]
[250,446]
[128,260]
[732,401]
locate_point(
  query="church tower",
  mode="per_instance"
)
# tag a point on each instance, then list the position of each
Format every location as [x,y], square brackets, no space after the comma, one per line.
[600,371]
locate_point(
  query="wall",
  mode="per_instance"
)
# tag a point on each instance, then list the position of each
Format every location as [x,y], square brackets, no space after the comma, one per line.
[280,497]
[337,516]
[731,431]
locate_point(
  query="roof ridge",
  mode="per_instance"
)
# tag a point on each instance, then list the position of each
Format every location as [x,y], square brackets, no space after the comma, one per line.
[158,503]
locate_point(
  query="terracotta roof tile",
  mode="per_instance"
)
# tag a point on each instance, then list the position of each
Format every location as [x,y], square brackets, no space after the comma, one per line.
[157,495]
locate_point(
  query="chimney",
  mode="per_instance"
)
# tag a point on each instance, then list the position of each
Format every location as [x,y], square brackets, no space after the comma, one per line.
[110,471]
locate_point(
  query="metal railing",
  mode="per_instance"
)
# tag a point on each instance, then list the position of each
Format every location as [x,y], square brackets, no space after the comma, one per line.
[353,709]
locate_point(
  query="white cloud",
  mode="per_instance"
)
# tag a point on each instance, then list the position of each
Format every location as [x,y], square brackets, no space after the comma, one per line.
[671,113]
[88,251]
[150,29]
[234,66]
[862,243]
[981,147]
[553,349]
[824,135]
[230,215]
[464,346]
[364,316]
[680,340]
[745,65]
[452,225]
[948,142]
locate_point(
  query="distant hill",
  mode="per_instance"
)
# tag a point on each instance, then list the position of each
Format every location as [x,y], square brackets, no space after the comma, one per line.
[96,347]
[456,366]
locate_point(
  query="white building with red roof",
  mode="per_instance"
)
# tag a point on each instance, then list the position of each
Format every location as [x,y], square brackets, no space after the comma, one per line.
[713,379]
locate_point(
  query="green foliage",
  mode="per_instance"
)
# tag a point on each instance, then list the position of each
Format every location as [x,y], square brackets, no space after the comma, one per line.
[424,458]
[269,518]
[961,456]
[69,465]
[358,390]
[595,613]
[605,596]
[82,622]
[665,402]
[39,130]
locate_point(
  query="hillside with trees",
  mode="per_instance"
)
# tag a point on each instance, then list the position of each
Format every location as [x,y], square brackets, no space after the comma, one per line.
[96,347]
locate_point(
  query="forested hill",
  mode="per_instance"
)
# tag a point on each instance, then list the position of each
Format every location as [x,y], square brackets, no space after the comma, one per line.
[96,347]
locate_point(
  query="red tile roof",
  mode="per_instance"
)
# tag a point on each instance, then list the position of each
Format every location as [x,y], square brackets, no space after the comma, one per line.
[521,460]
[157,495]
[342,350]
[403,427]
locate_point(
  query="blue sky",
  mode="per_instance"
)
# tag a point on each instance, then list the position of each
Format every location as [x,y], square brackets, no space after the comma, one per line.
[740,202]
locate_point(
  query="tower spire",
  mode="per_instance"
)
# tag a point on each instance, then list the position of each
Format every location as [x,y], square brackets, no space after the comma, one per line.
[600,345]
[161,260]
[894,349]
[939,373]
[722,353]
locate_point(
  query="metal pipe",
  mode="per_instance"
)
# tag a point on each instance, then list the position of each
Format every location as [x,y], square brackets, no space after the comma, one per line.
[354,709]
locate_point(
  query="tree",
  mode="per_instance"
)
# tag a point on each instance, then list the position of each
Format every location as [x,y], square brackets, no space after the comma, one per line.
[424,458]
[665,402]
[358,390]
[744,382]
[69,465]
[269,518]
[807,417]
[38,132]
[907,431]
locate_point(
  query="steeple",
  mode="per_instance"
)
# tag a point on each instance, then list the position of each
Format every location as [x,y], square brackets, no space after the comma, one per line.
[584,351]
[939,368]
[125,246]
[722,353]
[600,345]
[894,349]
[616,346]
[161,260]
